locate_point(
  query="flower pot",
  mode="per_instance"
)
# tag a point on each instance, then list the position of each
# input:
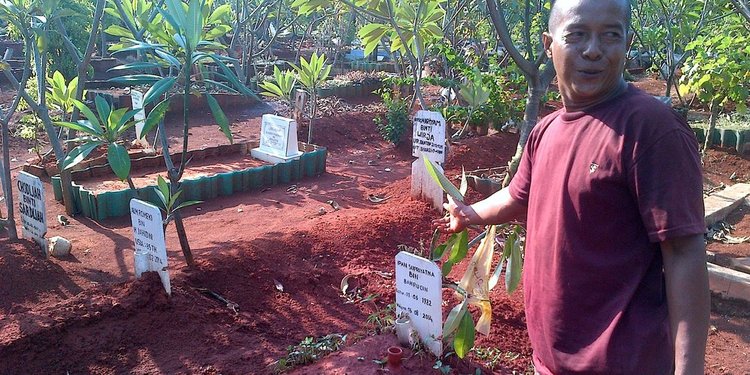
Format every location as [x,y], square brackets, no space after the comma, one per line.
[395,355]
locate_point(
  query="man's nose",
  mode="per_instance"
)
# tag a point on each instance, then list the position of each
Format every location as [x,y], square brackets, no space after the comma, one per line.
[592,50]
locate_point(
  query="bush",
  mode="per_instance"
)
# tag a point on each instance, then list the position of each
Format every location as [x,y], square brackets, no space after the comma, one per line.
[396,117]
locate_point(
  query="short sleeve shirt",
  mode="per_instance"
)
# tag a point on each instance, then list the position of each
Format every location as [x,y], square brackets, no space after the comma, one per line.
[603,187]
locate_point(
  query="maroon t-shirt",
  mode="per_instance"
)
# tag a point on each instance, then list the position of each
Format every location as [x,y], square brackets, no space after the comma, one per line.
[603,187]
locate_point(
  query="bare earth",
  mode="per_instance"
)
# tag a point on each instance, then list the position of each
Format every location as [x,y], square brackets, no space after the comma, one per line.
[87,314]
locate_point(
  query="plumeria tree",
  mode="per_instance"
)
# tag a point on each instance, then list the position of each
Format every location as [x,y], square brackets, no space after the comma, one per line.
[178,41]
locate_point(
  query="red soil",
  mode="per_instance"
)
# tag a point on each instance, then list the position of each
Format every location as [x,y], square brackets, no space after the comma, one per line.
[87,314]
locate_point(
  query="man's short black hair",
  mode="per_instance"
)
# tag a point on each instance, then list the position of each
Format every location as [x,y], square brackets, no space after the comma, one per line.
[554,15]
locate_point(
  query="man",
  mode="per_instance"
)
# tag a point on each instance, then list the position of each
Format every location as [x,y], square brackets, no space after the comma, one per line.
[615,277]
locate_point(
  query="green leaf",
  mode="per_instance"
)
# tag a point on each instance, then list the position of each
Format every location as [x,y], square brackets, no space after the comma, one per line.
[116,30]
[102,108]
[454,318]
[514,267]
[82,126]
[139,65]
[438,252]
[458,252]
[158,89]
[119,160]
[89,116]
[186,204]
[440,178]
[154,117]
[161,195]
[136,79]
[79,153]
[220,117]
[464,339]
[220,13]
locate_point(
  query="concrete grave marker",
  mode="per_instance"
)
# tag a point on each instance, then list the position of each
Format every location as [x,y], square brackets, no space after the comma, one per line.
[136,98]
[419,293]
[278,140]
[429,136]
[31,205]
[150,247]
[428,140]
[424,187]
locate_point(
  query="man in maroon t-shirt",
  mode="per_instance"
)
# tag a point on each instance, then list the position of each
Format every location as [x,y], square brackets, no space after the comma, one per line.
[615,277]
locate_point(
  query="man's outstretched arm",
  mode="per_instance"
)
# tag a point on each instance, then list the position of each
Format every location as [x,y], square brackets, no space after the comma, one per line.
[689,301]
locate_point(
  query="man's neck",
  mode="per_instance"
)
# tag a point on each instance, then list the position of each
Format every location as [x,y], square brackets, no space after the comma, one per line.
[577,107]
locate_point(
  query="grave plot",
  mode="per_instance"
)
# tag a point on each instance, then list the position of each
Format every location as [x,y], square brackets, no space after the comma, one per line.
[214,171]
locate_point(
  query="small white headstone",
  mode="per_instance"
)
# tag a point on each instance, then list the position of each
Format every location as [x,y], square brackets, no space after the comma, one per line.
[136,98]
[31,205]
[278,140]
[150,247]
[429,136]
[424,187]
[419,293]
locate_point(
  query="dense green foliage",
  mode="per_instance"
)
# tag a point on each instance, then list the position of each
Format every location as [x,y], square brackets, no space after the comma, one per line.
[396,119]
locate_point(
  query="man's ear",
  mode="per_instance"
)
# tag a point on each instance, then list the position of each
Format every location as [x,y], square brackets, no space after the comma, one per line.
[547,42]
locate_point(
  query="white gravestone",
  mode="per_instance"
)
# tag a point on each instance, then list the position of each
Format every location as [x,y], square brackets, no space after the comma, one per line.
[429,140]
[148,234]
[424,187]
[429,136]
[419,293]
[278,140]
[31,205]
[136,97]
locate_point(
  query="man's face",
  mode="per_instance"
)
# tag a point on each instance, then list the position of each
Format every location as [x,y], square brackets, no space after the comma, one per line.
[588,46]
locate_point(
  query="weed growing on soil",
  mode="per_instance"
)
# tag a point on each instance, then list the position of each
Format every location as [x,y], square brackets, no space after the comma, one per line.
[309,351]
[493,356]
[383,320]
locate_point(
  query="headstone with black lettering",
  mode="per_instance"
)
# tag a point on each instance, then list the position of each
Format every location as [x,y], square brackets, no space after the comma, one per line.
[428,140]
[150,247]
[419,294]
[278,140]
[136,98]
[429,136]
[31,205]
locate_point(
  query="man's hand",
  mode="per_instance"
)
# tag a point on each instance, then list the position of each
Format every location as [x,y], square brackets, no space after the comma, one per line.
[459,216]
[498,208]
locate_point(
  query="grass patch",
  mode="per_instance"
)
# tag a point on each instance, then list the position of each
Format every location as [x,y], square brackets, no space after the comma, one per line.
[309,351]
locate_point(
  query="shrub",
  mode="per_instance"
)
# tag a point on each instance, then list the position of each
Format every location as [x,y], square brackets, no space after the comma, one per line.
[396,117]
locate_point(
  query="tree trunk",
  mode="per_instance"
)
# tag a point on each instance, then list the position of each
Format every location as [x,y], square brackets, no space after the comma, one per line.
[172,174]
[709,141]
[538,85]
[6,182]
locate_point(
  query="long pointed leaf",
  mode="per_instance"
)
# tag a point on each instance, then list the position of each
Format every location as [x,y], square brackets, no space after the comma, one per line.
[158,89]
[464,339]
[454,318]
[513,271]
[83,126]
[220,117]
[440,178]
[154,117]
[79,153]
[89,116]
[119,160]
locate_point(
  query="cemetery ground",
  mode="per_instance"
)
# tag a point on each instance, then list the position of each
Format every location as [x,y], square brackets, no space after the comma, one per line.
[269,270]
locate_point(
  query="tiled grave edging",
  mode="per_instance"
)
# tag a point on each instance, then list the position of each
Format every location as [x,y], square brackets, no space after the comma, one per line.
[115,203]
[735,138]
[350,90]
